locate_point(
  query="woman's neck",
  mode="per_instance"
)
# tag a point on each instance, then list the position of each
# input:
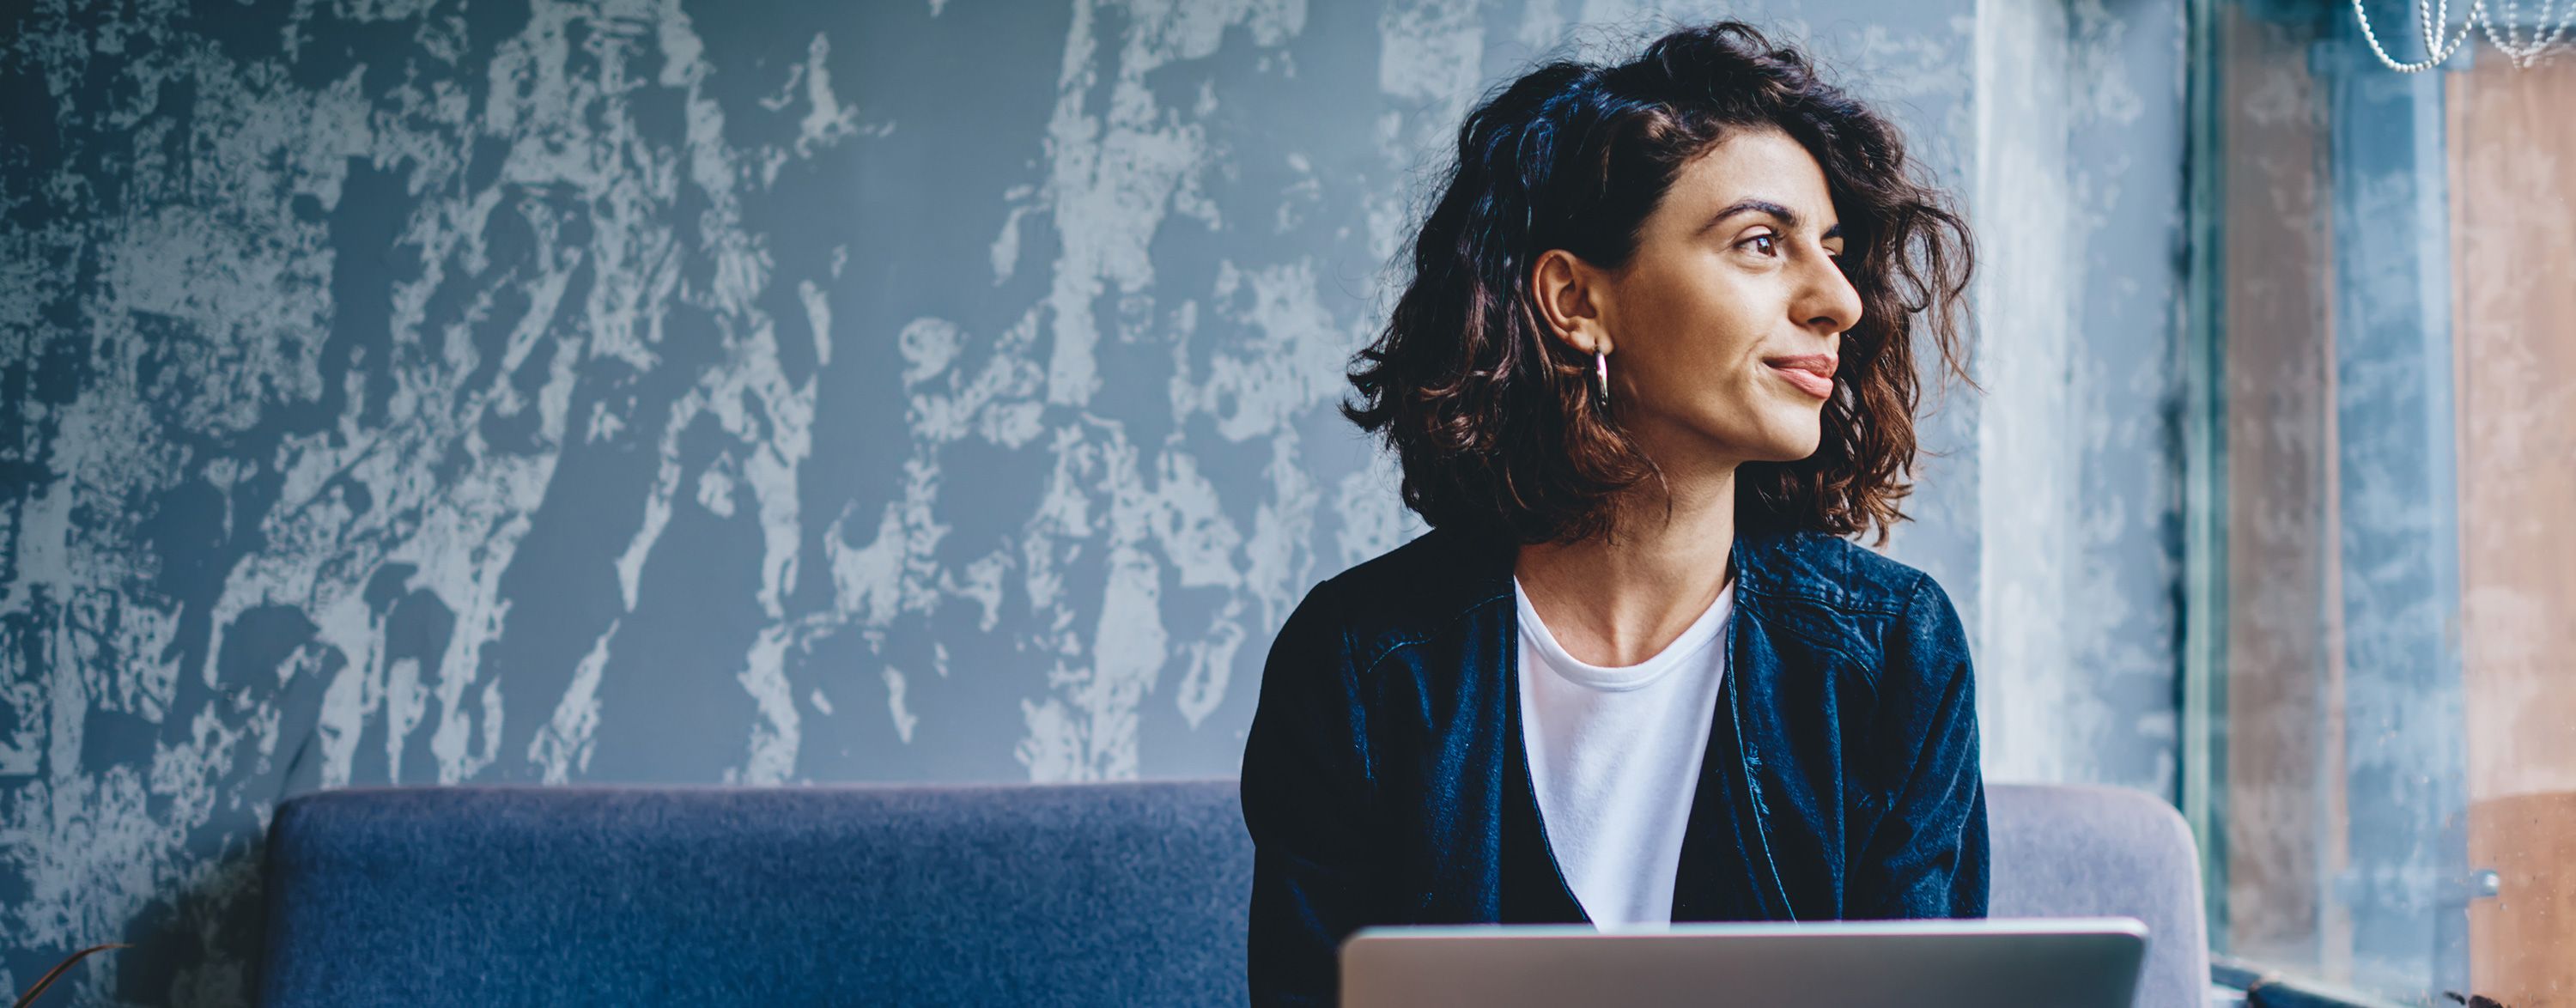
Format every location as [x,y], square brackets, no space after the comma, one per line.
[1618,599]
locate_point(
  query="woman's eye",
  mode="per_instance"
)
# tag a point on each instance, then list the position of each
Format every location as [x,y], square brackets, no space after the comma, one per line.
[1762,243]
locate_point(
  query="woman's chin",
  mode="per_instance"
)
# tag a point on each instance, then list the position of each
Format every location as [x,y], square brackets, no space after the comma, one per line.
[1794,453]
[1787,443]
[1770,439]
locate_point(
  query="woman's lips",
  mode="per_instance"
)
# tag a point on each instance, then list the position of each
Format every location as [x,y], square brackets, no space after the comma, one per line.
[1813,374]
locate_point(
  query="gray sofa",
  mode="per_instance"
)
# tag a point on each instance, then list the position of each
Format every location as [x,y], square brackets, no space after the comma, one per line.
[1124,894]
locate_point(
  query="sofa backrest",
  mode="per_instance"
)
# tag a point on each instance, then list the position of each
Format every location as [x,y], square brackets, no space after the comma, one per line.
[2066,851]
[1099,894]
[1127,894]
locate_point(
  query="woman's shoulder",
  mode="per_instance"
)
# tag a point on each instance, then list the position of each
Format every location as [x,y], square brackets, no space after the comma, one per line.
[1854,600]
[1834,572]
[1417,587]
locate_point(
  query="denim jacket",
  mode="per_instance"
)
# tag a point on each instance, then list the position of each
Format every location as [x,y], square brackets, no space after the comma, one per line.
[1385,780]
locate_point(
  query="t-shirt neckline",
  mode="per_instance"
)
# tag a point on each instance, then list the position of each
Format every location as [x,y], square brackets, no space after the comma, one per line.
[1694,639]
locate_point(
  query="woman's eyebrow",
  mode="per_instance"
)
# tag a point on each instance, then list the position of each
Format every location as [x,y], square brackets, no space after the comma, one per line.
[1788,218]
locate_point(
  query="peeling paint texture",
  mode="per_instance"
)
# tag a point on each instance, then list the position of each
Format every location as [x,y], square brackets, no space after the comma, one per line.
[634,390]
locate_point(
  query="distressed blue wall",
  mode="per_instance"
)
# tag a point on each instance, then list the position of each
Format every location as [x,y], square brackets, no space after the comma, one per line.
[2079,213]
[413,391]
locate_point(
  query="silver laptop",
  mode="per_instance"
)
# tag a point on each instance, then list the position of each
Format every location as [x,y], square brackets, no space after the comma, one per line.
[2085,962]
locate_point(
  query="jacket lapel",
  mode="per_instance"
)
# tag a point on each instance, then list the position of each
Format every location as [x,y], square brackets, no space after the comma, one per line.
[1726,872]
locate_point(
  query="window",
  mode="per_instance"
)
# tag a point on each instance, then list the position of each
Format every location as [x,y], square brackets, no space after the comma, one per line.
[2381,683]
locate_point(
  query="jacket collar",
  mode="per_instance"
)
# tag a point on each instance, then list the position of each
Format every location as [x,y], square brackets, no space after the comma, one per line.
[1483,561]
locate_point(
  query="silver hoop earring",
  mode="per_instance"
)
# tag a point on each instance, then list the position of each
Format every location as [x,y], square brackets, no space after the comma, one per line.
[1601,377]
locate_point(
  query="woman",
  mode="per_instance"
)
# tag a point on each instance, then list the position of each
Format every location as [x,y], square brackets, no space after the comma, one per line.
[1655,364]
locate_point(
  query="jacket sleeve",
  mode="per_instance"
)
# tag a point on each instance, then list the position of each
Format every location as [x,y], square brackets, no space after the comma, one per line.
[1926,855]
[1309,802]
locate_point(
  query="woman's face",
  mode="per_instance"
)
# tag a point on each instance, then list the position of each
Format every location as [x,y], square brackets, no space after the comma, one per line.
[1722,329]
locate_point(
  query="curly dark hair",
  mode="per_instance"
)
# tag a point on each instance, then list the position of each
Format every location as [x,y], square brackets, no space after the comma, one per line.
[1494,420]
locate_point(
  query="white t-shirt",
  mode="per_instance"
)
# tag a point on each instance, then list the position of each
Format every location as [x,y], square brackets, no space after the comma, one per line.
[1614,756]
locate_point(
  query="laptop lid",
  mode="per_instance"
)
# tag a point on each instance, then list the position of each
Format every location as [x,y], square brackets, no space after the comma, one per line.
[2089,962]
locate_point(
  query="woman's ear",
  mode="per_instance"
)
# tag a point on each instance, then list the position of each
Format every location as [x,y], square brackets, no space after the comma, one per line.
[1569,293]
